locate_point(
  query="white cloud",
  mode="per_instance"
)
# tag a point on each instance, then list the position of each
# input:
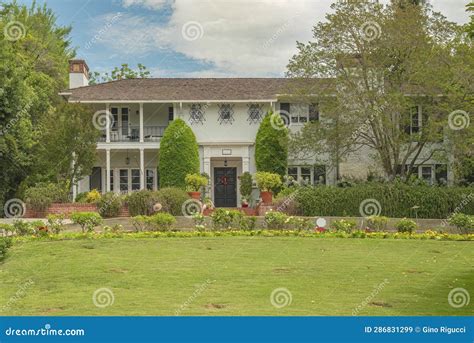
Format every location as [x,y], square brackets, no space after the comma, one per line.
[239,38]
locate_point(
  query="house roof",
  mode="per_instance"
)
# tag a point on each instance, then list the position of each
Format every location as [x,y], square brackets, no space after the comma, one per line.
[189,89]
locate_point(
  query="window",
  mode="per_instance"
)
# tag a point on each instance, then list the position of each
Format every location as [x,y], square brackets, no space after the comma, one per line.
[123,180]
[170,113]
[150,179]
[319,176]
[313,111]
[293,173]
[124,121]
[226,113]
[306,175]
[255,113]
[111,180]
[285,112]
[426,173]
[441,174]
[414,122]
[196,114]
[135,179]
[114,111]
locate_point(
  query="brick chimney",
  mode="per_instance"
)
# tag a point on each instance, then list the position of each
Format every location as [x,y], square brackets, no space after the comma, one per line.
[78,73]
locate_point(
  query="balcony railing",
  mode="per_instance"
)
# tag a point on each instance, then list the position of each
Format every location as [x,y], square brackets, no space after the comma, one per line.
[131,133]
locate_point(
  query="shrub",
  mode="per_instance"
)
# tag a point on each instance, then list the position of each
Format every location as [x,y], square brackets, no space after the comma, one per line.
[41,196]
[87,220]
[157,222]
[246,185]
[300,223]
[286,201]
[93,196]
[6,229]
[5,243]
[199,221]
[161,221]
[109,205]
[343,225]
[23,228]
[178,156]
[406,225]
[81,197]
[141,202]
[267,182]
[271,146]
[463,222]
[275,220]
[56,222]
[377,223]
[172,200]
[397,200]
[226,219]
[248,222]
[194,182]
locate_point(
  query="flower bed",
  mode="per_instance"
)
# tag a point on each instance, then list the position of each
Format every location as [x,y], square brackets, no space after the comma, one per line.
[68,208]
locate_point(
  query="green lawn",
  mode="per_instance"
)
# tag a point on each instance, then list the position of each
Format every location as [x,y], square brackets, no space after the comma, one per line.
[236,276]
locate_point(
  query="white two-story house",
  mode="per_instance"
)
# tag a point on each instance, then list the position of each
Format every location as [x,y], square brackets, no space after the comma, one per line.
[224,114]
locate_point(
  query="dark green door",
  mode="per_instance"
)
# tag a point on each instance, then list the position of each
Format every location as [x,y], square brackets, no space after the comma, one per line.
[225,187]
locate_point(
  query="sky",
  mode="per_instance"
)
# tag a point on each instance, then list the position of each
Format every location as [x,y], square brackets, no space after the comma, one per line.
[198,38]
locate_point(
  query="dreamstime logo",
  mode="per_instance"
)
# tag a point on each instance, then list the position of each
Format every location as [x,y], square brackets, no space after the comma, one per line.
[14,208]
[191,207]
[280,120]
[370,207]
[193,297]
[103,30]
[458,120]
[370,30]
[102,120]
[458,297]
[370,297]
[192,30]
[103,297]
[14,30]
[19,294]
[281,297]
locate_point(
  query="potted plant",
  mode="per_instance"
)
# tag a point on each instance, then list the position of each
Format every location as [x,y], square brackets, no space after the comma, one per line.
[246,188]
[266,182]
[194,183]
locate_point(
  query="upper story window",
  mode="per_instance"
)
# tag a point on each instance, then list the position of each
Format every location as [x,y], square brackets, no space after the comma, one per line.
[170,113]
[413,123]
[226,113]
[255,112]
[196,114]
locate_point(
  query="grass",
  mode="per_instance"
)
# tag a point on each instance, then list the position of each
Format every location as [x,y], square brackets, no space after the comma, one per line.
[236,276]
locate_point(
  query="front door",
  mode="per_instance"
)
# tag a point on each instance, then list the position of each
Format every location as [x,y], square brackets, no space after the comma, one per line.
[225,187]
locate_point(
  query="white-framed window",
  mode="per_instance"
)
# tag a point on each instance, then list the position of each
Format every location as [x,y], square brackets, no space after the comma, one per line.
[310,175]
[313,112]
[414,120]
[150,179]
[129,179]
[430,173]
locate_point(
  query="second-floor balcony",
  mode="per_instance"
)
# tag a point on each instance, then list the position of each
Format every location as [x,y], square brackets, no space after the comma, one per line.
[131,133]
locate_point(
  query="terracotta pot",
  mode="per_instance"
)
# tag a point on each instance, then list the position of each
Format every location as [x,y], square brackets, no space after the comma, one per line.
[266,197]
[245,205]
[195,195]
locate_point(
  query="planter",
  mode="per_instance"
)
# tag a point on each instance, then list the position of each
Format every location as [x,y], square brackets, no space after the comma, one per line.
[266,197]
[245,205]
[249,211]
[195,195]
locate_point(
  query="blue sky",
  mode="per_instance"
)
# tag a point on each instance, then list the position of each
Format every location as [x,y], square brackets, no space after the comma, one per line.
[198,38]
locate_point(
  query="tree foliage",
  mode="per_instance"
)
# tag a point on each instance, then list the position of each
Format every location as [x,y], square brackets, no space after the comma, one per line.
[34,52]
[120,73]
[382,61]
[271,145]
[178,155]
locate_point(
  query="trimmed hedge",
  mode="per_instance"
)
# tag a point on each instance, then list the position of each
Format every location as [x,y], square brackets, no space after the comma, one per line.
[178,156]
[397,200]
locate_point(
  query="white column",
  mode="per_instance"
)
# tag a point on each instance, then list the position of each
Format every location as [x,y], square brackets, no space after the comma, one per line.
[142,168]
[141,123]
[107,170]
[108,117]
[245,164]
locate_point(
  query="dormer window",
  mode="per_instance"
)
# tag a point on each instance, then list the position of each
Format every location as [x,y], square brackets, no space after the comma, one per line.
[413,124]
